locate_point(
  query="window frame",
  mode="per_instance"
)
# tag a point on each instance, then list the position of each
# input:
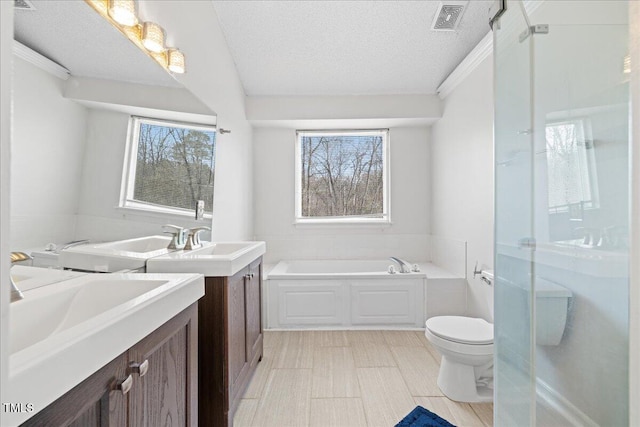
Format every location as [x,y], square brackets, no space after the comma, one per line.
[384,221]
[126,201]
[584,136]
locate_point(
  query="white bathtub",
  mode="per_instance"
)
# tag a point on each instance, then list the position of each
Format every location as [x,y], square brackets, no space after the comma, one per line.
[322,269]
[344,294]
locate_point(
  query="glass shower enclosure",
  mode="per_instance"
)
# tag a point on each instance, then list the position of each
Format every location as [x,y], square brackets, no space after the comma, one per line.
[562,213]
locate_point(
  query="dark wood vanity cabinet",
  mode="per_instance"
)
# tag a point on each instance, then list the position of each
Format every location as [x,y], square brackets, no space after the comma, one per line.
[153,383]
[230,342]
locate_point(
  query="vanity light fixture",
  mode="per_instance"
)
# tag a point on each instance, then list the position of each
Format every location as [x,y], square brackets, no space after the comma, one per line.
[123,12]
[148,36]
[175,60]
[153,37]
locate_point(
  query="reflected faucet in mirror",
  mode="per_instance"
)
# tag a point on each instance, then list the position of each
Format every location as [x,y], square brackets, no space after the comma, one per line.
[612,237]
[193,241]
[591,236]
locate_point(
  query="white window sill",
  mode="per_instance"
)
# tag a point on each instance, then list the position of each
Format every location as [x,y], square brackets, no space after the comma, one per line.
[342,223]
[160,213]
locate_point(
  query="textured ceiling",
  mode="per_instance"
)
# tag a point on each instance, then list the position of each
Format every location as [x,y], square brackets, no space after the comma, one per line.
[72,34]
[345,47]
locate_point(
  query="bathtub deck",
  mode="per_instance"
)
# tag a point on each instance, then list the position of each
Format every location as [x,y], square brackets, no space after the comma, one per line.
[348,378]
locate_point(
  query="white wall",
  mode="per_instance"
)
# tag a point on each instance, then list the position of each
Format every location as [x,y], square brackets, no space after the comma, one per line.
[46,158]
[211,75]
[462,177]
[274,189]
[634,330]
[6,44]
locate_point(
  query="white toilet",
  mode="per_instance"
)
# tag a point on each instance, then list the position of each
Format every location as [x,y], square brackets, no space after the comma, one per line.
[466,343]
[466,346]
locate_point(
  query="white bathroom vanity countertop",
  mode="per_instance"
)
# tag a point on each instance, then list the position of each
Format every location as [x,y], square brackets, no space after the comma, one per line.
[62,333]
[213,259]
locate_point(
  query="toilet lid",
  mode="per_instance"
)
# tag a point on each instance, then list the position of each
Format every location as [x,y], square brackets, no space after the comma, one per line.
[465,330]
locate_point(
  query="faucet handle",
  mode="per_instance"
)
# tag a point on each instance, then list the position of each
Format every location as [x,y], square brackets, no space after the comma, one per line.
[193,241]
[197,230]
[177,242]
[19,257]
[16,294]
[170,228]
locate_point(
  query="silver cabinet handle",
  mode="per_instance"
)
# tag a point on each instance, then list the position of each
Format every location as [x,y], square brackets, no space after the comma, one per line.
[140,368]
[249,276]
[125,385]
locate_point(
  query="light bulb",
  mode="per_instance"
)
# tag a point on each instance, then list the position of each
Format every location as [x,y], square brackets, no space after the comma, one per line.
[153,37]
[175,59]
[123,12]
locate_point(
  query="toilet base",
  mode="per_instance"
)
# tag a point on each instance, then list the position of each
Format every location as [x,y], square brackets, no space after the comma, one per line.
[459,382]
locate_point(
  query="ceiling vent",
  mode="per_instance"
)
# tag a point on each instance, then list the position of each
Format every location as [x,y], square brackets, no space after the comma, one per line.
[23,5]
[448,15]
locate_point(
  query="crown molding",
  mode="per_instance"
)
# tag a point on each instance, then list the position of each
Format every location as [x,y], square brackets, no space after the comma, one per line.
[476,56]
[40,61]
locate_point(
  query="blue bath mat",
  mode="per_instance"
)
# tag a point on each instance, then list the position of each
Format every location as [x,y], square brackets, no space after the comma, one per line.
[421,417]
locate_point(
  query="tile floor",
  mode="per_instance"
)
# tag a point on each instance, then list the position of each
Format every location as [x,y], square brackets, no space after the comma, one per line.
[348,379]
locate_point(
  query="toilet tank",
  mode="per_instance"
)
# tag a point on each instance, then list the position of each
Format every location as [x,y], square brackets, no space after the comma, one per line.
[552,304]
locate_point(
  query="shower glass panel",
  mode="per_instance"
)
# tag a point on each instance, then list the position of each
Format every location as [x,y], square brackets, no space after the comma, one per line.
[562,215]
[514,260]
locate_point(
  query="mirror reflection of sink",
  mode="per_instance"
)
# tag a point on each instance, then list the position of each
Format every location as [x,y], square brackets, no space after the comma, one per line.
[27,277]
[141,245]
[130,254]
[213,260]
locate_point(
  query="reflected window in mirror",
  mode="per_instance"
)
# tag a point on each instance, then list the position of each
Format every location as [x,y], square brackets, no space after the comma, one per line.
[571,167]
[169,166]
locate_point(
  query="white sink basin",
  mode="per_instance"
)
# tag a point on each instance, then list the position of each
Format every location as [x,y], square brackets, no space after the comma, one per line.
[213,260]
[62,333]
[39,316]
[111,257]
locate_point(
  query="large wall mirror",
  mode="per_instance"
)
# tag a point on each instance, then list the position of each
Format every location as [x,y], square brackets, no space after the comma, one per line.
[70,132]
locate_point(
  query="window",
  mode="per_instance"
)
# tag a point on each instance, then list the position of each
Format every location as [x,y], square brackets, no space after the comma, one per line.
[571,167]
[170,166]
[342,176]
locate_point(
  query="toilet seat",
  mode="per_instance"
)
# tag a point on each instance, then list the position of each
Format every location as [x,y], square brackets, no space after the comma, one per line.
[462,330]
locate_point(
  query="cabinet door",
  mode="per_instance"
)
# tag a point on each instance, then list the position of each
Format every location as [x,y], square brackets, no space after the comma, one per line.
[253,307]
[164,366]
[236,331]
[94,402]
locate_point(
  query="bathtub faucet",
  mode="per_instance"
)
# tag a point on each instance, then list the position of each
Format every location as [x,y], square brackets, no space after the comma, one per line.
[405,267]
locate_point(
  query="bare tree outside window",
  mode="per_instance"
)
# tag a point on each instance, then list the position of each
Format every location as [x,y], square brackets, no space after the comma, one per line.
[175,164]
[342,175]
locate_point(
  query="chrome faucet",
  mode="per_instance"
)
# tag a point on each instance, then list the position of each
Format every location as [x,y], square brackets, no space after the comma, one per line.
[177,233]
[74,243]
[591,237]
[193,241]
[16,294]
[405,267]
